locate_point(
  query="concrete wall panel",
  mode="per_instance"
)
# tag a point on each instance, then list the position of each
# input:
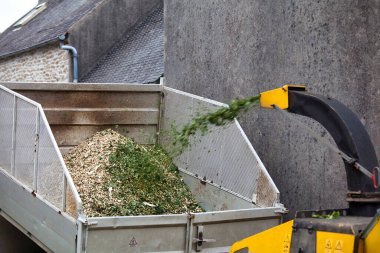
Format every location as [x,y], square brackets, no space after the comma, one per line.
[226,49]
[99,30]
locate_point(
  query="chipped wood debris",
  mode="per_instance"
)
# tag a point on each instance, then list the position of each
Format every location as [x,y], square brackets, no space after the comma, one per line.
[117,177]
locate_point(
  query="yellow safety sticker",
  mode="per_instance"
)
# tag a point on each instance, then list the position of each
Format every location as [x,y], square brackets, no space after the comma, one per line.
[328,242]
[286,244]
[338,246]
[328,246]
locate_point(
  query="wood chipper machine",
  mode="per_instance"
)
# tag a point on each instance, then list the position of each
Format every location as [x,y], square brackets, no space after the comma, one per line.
[353,230]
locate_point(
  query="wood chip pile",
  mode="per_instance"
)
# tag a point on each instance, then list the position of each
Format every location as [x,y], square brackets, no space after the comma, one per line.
[117,177]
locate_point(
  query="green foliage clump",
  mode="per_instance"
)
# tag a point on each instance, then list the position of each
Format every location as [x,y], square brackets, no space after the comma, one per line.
[218,118]
[331,216]
[144,181]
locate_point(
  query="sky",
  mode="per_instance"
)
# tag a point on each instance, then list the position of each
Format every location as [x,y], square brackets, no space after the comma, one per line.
[12,10]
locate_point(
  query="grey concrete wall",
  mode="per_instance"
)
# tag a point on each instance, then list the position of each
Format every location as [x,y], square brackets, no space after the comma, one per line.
[227,49]
[94,34]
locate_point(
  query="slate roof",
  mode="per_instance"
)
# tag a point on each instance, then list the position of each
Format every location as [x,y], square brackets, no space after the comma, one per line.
[137,58]
[46,27]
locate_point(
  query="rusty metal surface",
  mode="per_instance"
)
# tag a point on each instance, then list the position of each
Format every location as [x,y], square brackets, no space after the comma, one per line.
[74,134]
[265,194]
[101,116]
[363,197]
[93,99]
[75,112]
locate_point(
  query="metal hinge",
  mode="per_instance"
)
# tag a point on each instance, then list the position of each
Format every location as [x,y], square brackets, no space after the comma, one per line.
[94,223]
[200,239]
[282,211]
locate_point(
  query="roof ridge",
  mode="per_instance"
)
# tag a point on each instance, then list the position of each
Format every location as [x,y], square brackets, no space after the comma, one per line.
[58,18]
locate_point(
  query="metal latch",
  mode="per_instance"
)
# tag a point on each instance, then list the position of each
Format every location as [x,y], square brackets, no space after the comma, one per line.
[200,239]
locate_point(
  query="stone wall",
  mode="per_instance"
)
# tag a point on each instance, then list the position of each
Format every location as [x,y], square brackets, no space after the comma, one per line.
[227,49]
[46,64]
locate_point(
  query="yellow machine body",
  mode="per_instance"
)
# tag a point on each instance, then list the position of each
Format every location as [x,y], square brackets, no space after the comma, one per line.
[371,239]
[328,242]
[276,239]
[279,239]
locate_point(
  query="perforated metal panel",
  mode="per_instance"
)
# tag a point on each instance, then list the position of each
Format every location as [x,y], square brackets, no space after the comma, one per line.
[6,128]
[50,176]
[25,139]
[29,152]
[223,157]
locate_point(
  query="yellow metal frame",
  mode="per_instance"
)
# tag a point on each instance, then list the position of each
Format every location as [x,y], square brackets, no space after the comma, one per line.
[276,239]
[328,242]
[278,96]
[372,238]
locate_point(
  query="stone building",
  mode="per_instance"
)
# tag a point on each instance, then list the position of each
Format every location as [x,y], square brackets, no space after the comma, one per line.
[110,36]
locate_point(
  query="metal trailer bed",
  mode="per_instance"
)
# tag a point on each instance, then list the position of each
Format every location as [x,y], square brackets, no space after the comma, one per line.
[221,168]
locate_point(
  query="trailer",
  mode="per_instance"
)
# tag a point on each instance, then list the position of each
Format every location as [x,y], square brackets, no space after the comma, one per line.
[41,121]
